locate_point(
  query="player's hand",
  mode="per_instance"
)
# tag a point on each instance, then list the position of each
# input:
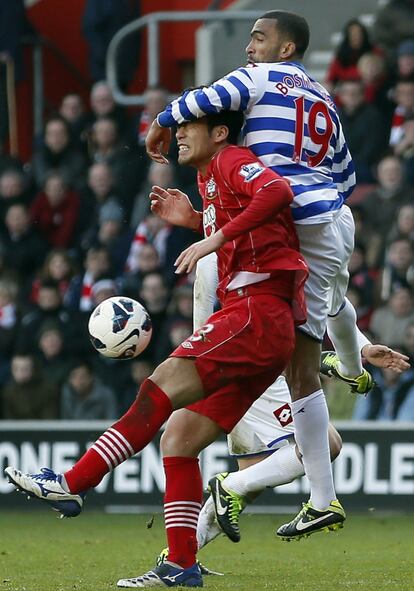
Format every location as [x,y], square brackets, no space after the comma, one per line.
[174,207]
[382,356]
[157,142]
[189,257]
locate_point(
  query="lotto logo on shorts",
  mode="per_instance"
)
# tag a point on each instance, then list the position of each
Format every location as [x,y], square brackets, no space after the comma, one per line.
[284,415]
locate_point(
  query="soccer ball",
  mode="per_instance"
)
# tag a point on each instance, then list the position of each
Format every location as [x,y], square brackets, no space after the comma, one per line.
[120,328]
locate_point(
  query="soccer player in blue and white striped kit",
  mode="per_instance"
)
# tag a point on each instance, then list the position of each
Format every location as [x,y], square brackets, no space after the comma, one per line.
[293,127]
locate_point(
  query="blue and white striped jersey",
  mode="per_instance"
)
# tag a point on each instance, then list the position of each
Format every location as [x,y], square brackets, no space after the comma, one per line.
[291,124]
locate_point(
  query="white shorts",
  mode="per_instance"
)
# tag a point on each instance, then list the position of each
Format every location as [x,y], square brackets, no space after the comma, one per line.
[266,426]
[326,249]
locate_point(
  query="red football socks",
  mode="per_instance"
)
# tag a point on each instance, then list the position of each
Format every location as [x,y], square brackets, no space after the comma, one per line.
[123,439]
[182,504]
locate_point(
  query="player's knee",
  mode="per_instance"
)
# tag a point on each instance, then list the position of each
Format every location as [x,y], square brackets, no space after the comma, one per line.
[175,443]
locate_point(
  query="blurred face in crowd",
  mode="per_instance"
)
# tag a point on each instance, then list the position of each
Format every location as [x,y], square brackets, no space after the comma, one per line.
[179,332]
[405,65]
[154,224]
[108,230]
[51,343]
[100,179]
[405,220]
[59,267]
[154,293]
[81,380]
[409,339]
[22,369]
[49,298]
[390,173]
[105,134]
[400,255]
[161,175]
[8,292]
[371,67]
[404,95]
[102,101]
[11,185]
[401,302]
[355,36]
[56,136]
[55,190]
[17,220]
[71,108]
[156,100]
[184,301]
[351,95]
[97,262]
[147,258]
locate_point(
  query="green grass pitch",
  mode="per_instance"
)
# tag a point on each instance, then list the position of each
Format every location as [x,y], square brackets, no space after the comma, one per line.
[41,553]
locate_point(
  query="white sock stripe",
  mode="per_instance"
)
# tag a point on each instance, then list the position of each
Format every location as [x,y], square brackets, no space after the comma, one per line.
[114,447]
[103,456]
[181,520]
[119,444]
[106,450]
[190,503]
[181,514]
[181,525]
[122,439]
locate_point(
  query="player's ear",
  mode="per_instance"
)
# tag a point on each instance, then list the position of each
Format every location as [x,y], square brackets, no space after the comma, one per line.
[287,50]
[221,133]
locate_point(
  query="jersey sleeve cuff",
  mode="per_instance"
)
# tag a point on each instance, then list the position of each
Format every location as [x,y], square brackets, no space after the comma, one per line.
[165,119]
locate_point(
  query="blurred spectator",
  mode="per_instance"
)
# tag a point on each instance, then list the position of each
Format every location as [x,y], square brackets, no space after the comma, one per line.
[355,42]
[8,325]
[398,271]
[372,70]
[389,322]
[362,285]
[154,295]
[405,59]
[56,153]
[381,205]
[84,397]
[176,330]
[97,266]
[161,175]
[100,21]
[13,189]
[55,211]
[58,267]
[112,234]
[24,248]
[356,116]
[153,230]
[404,112]
[394,23]
[409,341]
[140,370]
[104,107]
[106,148]
[53,358]
[49,308]
[29,395]
[156,99]
[72,110]
[102,290]
[148,261]
[404,225]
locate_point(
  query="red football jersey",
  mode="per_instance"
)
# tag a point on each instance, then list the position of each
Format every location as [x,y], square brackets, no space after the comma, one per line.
[234,180]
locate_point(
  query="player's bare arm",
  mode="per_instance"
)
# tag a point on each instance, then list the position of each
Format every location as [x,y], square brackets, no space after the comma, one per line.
[174,207]
[157,142]
[383,356]
[187,260]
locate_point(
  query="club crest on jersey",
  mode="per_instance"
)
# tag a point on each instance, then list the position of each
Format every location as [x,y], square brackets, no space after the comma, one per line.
[250,171]
[211,189]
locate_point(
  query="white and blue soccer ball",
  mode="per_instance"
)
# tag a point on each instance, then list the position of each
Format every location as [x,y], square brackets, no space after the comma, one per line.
[120,328]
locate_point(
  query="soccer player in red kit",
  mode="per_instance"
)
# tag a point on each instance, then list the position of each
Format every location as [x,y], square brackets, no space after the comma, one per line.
[216,374]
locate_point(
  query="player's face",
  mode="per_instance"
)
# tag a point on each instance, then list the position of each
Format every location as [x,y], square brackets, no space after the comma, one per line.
[266,44]
[195,144]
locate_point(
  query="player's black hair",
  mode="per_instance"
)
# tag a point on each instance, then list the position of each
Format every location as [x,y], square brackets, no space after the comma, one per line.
[294,26]
[233,120]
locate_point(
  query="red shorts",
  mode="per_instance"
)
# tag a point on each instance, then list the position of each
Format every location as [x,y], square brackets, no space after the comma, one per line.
[239,353]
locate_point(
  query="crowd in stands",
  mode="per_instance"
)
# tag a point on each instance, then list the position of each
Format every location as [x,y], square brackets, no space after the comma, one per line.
[76,228]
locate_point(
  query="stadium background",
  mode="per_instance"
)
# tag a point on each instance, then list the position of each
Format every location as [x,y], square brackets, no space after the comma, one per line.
[86,155]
